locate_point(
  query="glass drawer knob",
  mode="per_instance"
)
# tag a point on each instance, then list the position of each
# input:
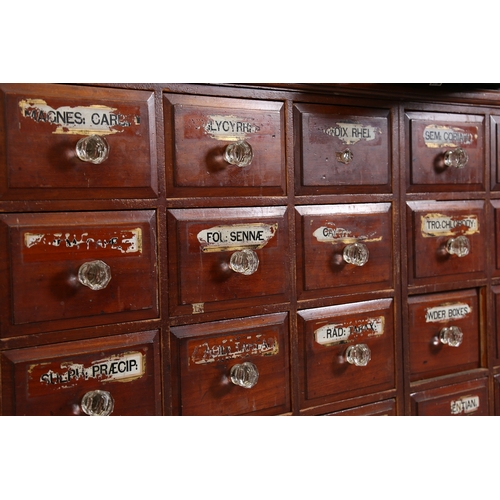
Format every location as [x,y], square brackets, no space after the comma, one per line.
[356,253]
[358,355]
[459,246]
[345,156]
[457,158]
[97,403]
[92,149]
[451,335]
[95,274]
[244,261]
[239,153]
[245,375]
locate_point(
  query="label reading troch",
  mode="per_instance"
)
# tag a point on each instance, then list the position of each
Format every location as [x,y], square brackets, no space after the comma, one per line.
[466,404]
[350,133]
[333,234]
[444,225]
[446,312]
[229,127]
[339,333]
[236,237]
[436,136]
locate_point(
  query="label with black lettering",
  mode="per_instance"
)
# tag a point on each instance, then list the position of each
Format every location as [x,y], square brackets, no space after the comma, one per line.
[447,312]
[341,333]
[444,225]
[465,405]
[334,234]
[236,237]
[230,127]
[351,132]
[436,136]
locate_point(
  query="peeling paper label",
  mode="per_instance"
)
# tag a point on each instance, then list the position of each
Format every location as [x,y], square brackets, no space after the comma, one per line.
[436,136]
[447,312]
[340,333]
[236,237]
[350,133]
[444,225]
[332,234]
[466,404]
[225,348]
[229,128]
[83,120]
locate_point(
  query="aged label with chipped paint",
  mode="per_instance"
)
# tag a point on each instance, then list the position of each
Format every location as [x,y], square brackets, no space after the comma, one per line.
[446,312]
[229,127]
[332,234]
[444,225]
[236,237]
[350,133]
[340,333]
[466,404]
[240,346]
[438,136]
[83,120]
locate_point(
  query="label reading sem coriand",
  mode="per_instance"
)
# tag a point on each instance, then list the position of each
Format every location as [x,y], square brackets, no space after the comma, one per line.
[436,136]
[340,333]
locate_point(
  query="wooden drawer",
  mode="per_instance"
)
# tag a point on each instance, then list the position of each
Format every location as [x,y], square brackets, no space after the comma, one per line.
[328,233]
[199,132]
[53,380]
[205,242]
[327,336]
[432,225]
[207,357]
[40,126]
[381,408]
[342,149]
[430,136]
[461,400]
[54,258]
[495,240]
[496,317]
[433,346]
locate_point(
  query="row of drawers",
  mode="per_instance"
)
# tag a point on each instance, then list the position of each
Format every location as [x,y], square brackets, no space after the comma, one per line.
[224,147]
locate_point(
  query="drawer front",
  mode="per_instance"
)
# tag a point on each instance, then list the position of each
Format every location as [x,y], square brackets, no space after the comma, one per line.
[495,152]
[496,239]
[224,147]
[44,123]
[344,248]
[496,304]
[437,143]
[335,342]
[458,400]
[227,258]
[381,408]
[342,149]
[444,333]
[446,241]
[60,379]
[216,360]
[96,268]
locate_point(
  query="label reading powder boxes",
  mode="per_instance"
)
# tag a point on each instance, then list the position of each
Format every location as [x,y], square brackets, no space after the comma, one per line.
[465,405]
[352,132]
[447,312]
[436,136]
[443,225]
[339,333]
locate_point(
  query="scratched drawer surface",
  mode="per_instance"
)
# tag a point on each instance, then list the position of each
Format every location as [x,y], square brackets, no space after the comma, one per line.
[443,333]
[95,268]
[457,400]
[227,258]
[346,351]
[234,367]
[344,248]
[381,408]
[343,149]
[219,146]
[445,151]
[446,241]
[65,142]
[117,375]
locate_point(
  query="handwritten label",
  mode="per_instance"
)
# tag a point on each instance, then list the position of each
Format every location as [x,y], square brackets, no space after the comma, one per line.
[229,127]
[350,133]
[340,333]
[333,234]
[439,136]
[444,225]
[466,404]
[447,312]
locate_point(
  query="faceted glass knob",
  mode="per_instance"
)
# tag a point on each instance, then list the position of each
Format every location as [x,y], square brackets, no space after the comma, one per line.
[239,153]
[457,158]
[92,149]
[356,253]
[345,156]
[458,246]
[245,375]
[95,274]
[244,261]
[451,335]
[97,403]
[358,355]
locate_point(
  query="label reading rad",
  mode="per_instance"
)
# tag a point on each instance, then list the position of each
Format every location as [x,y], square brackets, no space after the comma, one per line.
[466,404]
[350,133]
[340,333]
[236,237]
[436,136]
[447,312]
[444,225]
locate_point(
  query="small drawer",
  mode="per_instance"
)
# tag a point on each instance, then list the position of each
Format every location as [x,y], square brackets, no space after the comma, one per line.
[347,351]
[224,147]
[228,258]
[381,408]
[496,304]
[457,400]
[64,142]
[342,149]
[495,152]
[444,333]
[446,241]
[117,375]
[69,270]
[445,151]
[495,239]
[232,367]
[344,248]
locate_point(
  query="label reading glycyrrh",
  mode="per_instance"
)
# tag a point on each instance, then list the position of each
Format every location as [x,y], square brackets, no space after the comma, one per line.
[350,133]
[447,312]
[466,404]
[339,333]
[435,224]
[229,127]
[438,136]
